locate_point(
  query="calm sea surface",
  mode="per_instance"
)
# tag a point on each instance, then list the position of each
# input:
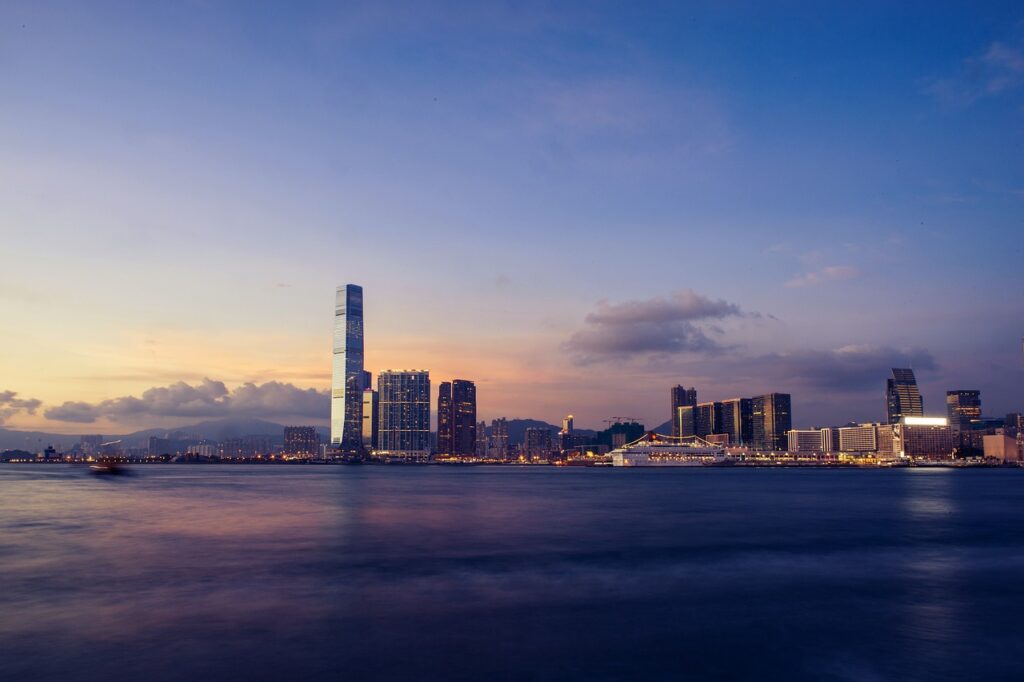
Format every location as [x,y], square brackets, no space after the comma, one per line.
[436,573]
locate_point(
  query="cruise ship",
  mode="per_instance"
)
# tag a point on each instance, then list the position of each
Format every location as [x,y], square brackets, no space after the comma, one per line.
[656,450]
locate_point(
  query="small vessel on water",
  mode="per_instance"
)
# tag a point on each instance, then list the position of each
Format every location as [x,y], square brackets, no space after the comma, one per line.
[108,468]
[655,449]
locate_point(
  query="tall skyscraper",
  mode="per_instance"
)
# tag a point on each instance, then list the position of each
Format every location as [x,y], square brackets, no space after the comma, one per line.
[404,409]
[499,438]
[961,408]
[456,418]
[686,421]
[347,369]
[736,420]
[463,418]
[772,418]
[445,418]
[681,396]
[708,418]
[902,398]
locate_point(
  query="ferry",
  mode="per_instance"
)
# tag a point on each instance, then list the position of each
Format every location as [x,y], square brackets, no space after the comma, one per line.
[657,450]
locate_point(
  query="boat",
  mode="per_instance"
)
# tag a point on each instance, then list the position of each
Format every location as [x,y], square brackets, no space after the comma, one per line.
[655,449]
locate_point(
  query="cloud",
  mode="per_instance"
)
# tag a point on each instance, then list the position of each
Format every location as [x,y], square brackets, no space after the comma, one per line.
[829,273]
[208,399]
[999,68]
[657,326]
[11,404]
[852,368]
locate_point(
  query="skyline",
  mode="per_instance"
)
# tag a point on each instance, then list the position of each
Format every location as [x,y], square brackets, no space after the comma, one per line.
[576,209]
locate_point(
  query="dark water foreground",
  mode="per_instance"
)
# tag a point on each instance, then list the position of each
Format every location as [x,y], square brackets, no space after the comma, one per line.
[351,573]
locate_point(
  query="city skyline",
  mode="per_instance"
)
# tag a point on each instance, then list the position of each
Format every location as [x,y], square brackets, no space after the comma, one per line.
[798,209]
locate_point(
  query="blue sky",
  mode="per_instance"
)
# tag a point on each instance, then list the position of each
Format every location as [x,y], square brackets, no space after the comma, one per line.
[183,185]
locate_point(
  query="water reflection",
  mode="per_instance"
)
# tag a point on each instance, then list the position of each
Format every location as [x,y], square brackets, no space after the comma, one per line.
[198,572]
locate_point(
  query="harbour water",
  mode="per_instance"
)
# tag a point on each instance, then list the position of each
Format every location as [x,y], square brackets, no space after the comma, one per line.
[508,573]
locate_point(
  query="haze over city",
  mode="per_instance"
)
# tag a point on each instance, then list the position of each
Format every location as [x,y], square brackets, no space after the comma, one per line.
[576,207]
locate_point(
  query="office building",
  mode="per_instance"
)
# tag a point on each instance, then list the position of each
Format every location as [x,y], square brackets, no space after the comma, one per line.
[902,397]
[403,399]
[961,407]
[371,418]
[301,440]
[681,396]
[686,421]
[347,369]
[708,419]
[736,420]
[771,417]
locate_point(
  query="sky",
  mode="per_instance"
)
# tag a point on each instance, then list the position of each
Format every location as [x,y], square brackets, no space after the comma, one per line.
[576,205]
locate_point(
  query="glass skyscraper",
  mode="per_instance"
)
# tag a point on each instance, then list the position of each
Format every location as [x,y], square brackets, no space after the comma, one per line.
[347,375]
[902,397]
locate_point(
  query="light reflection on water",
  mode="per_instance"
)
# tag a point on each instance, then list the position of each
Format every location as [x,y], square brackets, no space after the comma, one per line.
[210,572]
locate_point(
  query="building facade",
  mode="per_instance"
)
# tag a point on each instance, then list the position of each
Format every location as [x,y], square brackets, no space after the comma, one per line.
[686,421]
[736,420]
[902,397]
[301,440]
[860,438]
[347,369]
[371,418]
[771,417]
[456,418]
[961,407]
[708,418]
[537,444]
[403,399]
[810,440]
[681,396]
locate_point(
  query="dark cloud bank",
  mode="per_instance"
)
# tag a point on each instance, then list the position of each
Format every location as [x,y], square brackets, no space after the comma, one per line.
[209,399]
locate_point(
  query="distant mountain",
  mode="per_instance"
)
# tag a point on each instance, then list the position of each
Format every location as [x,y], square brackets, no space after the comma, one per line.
[664,428]
[218,430]
[34,441]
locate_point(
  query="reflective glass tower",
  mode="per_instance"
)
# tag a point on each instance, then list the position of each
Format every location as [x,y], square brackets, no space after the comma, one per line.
[347,376]
[902,397]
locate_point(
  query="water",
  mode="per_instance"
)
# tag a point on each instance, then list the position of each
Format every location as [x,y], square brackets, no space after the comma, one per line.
[419,573]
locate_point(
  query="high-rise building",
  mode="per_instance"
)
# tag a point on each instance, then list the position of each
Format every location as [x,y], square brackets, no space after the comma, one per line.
[403,399]
[771,417]
[444,418]
[347,369]
[902,397]
[456,418]
[301,440]
[371,418]
[681,396]
[961,407]
[736,420]
[481,439]
[686,421]
[499,438]
[708,417]
[537,443]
